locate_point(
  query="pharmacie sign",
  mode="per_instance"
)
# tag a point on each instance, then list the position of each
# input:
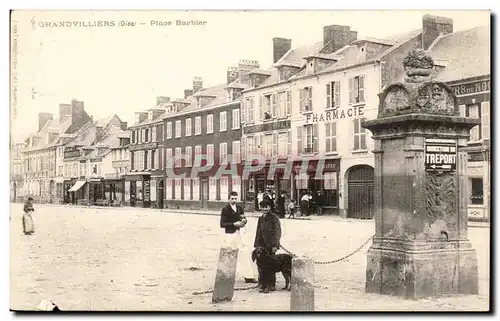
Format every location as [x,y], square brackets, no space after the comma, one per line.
[440,154]
[335,114]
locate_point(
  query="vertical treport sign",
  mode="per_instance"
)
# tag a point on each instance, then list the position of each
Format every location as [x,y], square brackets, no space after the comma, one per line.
[440,154]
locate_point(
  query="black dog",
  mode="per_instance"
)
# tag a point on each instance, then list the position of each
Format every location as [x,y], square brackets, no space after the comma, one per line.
[270,264]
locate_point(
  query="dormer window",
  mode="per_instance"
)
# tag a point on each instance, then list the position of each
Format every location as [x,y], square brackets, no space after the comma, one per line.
[234,93]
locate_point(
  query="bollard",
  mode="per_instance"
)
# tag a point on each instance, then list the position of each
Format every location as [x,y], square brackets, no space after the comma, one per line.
[302,298]
[226,275]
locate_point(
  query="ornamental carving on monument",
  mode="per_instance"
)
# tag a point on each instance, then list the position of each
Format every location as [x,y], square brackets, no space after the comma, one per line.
[441,201]
[418,66]
[395,100]
[435,98]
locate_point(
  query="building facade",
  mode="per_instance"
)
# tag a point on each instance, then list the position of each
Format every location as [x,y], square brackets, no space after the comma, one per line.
[17,172]
[465,57]
[144,181]
[202,138]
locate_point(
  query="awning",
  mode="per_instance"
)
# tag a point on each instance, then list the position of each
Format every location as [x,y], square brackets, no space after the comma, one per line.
[77,186]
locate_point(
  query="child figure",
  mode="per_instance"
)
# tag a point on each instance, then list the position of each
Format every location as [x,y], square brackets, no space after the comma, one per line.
[291,209]
[28,226]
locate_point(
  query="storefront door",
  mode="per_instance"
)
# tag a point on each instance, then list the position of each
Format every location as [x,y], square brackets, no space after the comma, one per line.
[204,192]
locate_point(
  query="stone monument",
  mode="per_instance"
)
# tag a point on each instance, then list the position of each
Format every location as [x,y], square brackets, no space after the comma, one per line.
[420,248]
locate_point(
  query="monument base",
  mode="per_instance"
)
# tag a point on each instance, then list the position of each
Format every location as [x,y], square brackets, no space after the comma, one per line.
[419,269]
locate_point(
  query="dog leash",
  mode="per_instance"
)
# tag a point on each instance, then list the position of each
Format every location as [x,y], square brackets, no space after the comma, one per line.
[235,289]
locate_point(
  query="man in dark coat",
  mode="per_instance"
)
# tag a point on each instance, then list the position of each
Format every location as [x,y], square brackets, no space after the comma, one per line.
[232,219]
[281,204]
[268,234]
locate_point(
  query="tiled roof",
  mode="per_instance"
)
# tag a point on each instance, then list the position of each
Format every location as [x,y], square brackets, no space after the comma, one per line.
[296,56]
[51,125]
[467,54]
[218,91]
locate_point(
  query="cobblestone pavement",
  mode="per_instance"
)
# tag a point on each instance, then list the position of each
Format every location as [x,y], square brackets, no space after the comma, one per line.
[116,259]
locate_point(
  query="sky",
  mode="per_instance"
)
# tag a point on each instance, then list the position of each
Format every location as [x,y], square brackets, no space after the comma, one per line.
[122,69]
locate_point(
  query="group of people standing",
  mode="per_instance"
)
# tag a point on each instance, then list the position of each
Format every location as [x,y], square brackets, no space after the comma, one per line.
[309,202]
[267,235]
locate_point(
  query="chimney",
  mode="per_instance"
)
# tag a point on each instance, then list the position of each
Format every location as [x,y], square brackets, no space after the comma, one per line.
[187,93]
[64,110]
[232,74]
[336,37]
[162,100]
[354,37]
[245,66]
[44,118]
[99,133]
[140,116]
[432,27]
[197,84]
[280,47]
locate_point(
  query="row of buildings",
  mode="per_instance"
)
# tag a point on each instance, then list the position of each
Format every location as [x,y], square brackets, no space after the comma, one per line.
[306,108]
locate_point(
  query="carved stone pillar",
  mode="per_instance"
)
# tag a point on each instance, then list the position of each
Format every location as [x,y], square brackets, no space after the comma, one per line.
[420,248]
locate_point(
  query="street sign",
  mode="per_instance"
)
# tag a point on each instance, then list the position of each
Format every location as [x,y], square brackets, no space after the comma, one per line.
[440,154]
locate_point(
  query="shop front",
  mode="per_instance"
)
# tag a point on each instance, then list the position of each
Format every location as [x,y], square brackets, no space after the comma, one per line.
[114,190]
[324,186]
[76,191]
[138,189]
[156,187]
[478,178]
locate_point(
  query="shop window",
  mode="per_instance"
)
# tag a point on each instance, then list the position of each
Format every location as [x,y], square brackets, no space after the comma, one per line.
[476,191]
[138,190]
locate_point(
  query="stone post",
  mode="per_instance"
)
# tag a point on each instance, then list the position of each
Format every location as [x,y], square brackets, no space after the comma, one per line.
[302,285]
[420,247]
[226,274]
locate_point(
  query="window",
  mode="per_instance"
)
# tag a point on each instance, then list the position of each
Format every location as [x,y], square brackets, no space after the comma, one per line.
[196,189]
[189,156]
[188,127]
[268,145]
[169,130]
[212,188]
[197,154]
[307,139]
[359,135]
[331,189]
[473,111]
[357,90]
[223,121]
[275,145]
[146,135]
[168,157]
[249,147]
[187,189]
[210,124]
[153,159]
[236,118]
[250,112]
[333,95]
[178,160]
[305,99]
[236,151]
[476,191]
[153,134]
[168,188]
[223,154]
[178,188]
[138,191]
[197,125]
[288,103]
[210,154]
[224,188]
[331,137]
[146,159]
[282,144]
[282,104]
[236,186]
[178,129]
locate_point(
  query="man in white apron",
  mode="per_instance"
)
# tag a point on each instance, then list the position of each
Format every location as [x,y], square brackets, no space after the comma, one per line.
[233,220]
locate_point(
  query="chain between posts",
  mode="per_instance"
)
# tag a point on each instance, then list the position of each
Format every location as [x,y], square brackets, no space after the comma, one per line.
[335,260]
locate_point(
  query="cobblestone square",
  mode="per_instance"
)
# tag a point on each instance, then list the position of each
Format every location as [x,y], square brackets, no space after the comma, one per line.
[135,259]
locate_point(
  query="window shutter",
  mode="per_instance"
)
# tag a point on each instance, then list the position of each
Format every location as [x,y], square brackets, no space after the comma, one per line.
[328,95]
[337,94]
[260,113]
[327,137]
[351,90]
[301,100]
[361,88]
[309,98]
[288,103]
[289,149]
[299,140]
[277,106]
[334,137]
[485,119]
[356,131]
[259,144]
[243,150]
[275,144]
[315,138]
[273,112]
